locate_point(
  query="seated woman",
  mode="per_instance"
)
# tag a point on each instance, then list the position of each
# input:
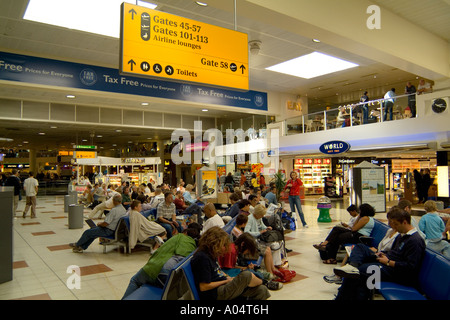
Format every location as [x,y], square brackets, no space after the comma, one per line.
[211,282]
[255,227]
[360,249]
[339,236]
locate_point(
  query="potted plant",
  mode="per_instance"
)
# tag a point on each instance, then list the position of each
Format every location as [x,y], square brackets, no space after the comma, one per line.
[280,182]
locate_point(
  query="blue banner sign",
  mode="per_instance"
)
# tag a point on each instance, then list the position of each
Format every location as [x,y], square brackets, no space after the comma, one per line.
[28,69]
[334,147]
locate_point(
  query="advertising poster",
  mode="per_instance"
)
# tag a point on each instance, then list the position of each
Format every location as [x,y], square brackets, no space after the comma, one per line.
[208,184]
[373,188]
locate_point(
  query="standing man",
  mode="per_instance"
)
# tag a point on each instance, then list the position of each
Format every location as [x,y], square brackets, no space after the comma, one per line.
[365,108]
[426,183]
[410,90]
[30,186]
[14,181]
[389,100]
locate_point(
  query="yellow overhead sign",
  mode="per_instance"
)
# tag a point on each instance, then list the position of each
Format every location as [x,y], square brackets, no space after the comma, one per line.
[158,44]
[85,154]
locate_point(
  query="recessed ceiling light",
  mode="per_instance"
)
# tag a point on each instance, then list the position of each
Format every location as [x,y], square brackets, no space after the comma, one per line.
[201,4]
[41,133]
[99,136]
[312,65]
[114,145]
[25,142]
[144,104]
[70,96]
[53,127]
[84,140]
[316,40]
[118,130]
[99,16]
[205,110]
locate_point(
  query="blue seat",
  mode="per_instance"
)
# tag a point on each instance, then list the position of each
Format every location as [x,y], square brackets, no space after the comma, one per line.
[120,236]
[180,276]
[148,213]
[230,225]
[434,281]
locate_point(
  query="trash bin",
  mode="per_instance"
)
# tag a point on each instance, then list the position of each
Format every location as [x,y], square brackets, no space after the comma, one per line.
[76,216]
[324,206]
[68,200]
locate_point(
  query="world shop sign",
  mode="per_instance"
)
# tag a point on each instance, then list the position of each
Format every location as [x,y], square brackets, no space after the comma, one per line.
[41,71]
[334,147]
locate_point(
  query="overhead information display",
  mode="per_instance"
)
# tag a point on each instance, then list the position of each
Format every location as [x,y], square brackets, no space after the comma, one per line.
[158,44]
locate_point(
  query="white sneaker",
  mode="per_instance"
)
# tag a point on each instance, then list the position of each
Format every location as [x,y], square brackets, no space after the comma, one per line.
[347,271]
[305,226]
[159,240]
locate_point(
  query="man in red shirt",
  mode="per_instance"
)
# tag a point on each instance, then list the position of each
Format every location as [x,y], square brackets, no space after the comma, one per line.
[183,208]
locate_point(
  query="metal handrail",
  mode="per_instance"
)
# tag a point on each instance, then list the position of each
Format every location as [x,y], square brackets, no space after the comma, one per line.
[350,106]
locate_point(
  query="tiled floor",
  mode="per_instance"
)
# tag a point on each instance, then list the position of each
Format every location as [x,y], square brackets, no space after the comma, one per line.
[43,261]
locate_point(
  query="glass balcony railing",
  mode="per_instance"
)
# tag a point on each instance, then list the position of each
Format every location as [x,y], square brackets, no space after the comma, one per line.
[351,115]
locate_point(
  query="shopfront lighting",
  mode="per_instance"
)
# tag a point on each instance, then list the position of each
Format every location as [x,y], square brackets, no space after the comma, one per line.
[312,65]
[94,16]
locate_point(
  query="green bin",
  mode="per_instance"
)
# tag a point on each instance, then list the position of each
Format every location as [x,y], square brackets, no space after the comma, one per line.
[324,206]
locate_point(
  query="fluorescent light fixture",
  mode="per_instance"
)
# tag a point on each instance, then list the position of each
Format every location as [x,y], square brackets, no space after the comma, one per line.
[312,65]
[205,110]
[201,4]
[70,96]
[94,16]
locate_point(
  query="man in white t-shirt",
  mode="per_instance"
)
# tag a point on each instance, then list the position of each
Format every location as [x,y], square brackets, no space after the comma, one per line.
[214,220]
[30,185]
[424,87]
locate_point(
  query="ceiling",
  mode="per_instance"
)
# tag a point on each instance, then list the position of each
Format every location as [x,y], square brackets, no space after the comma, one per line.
[27,37]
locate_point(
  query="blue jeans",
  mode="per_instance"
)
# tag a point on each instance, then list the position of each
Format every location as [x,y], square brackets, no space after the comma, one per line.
[91,234]
[365,110]
[168,228]
[139,279]
[294,201]
[388,106]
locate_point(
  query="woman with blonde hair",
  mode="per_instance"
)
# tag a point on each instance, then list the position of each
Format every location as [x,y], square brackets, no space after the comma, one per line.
[294,184]
[214,284]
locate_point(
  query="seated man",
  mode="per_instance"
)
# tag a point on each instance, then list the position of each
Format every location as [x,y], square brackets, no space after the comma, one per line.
[233,210]
[157,199]
[166,215]
[183,208]
[107,205]
[271,196]
[181,244]
[401,264]
[213,218]
[103,229]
